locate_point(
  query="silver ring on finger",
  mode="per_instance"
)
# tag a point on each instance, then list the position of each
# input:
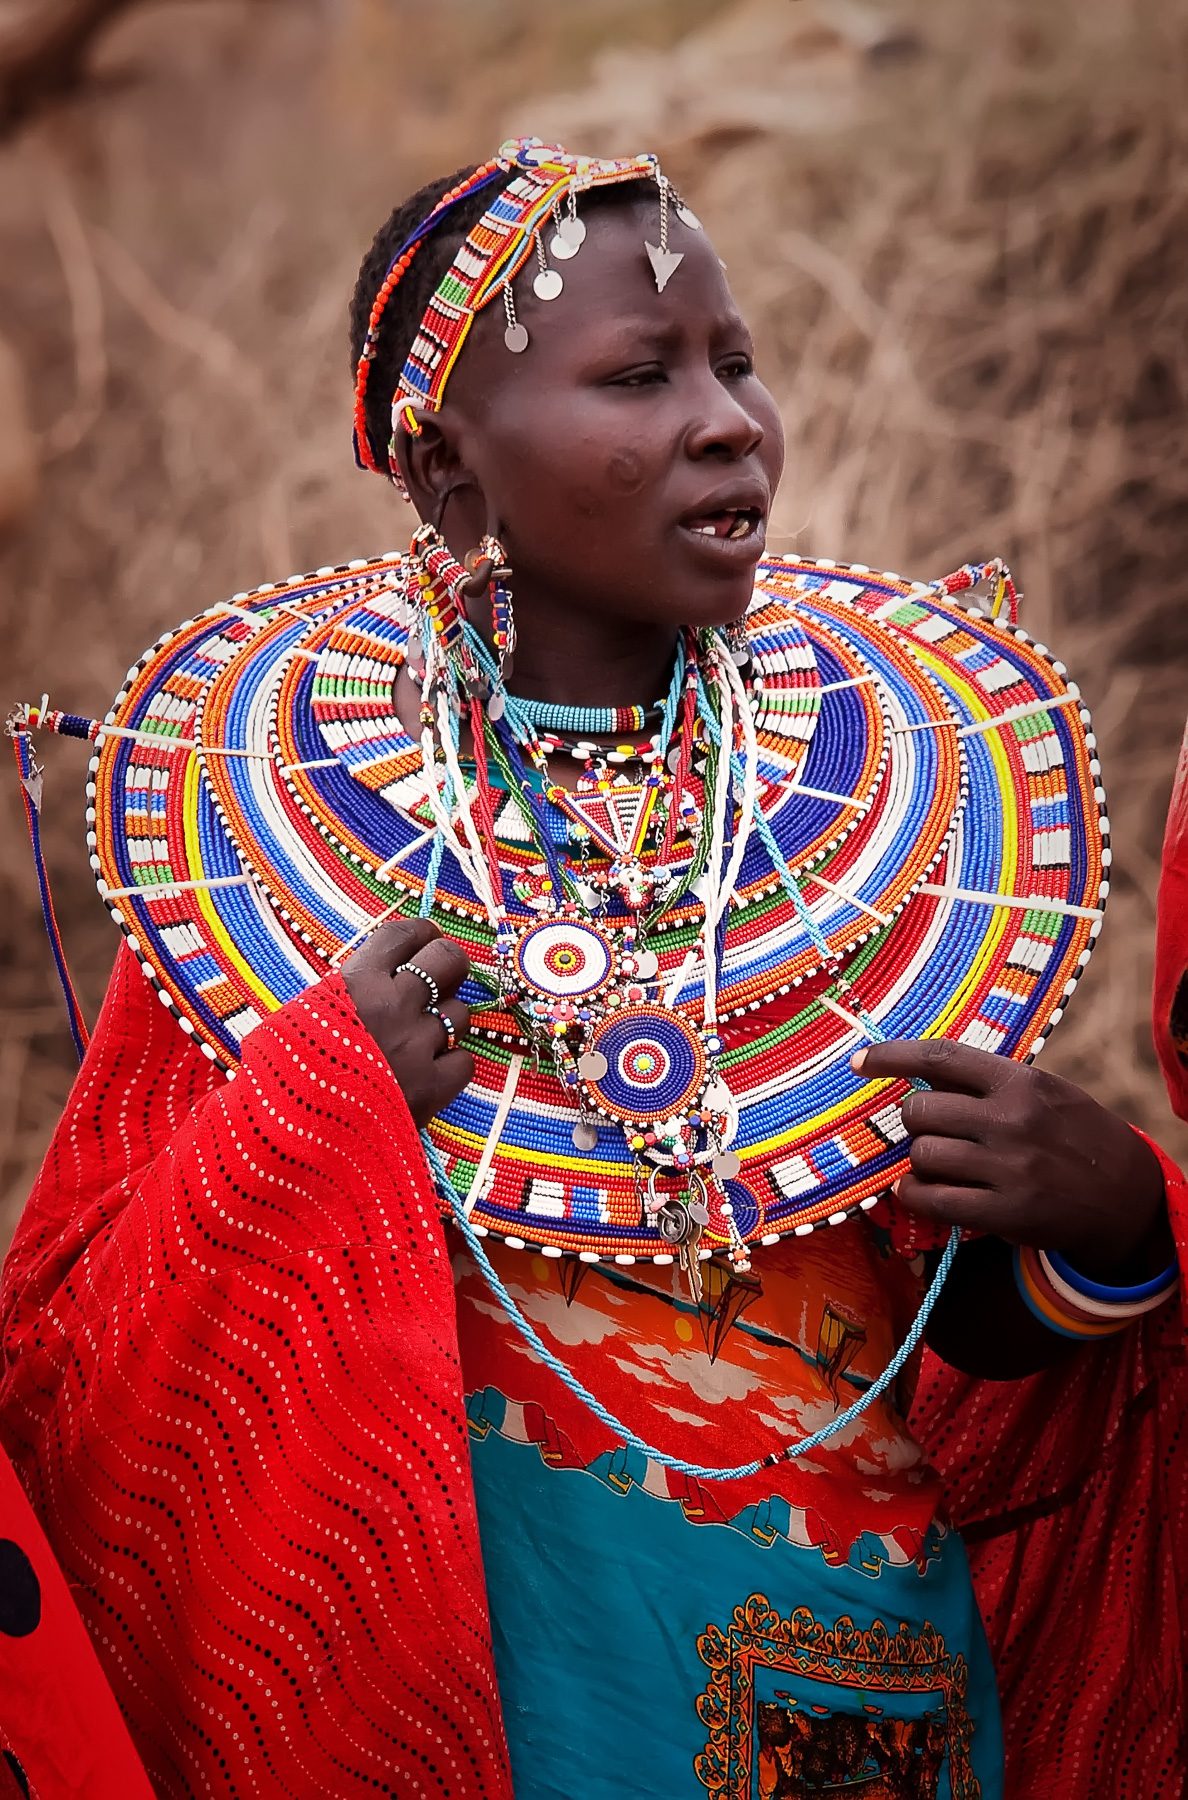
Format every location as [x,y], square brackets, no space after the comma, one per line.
[447,1025]
[414,968]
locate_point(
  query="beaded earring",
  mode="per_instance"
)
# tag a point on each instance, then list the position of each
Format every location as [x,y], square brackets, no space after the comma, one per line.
[403,419]
[503,624]
[434,580]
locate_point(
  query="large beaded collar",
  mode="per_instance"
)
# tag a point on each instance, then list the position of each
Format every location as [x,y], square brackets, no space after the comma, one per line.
[926,772]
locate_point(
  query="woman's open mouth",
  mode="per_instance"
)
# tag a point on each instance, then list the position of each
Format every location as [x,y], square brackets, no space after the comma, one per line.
[733,523]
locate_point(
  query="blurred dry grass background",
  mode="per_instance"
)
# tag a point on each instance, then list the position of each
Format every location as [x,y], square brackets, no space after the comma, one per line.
[961,230]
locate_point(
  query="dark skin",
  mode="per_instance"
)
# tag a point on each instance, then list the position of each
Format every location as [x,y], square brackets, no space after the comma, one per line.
[1026,1158]
[610,459]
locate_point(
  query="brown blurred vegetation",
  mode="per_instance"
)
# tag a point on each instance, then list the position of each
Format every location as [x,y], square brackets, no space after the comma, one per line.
[959,229]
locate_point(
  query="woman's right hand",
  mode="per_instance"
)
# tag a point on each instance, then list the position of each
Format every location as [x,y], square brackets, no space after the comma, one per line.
[391,1001]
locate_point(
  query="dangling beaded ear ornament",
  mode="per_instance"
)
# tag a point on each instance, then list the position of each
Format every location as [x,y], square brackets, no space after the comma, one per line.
[515,335]
[433,584]
[402,417]
[503,625]
[664,261]
[547,283]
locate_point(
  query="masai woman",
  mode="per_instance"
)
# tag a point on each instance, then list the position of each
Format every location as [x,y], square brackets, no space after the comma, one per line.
[606,855]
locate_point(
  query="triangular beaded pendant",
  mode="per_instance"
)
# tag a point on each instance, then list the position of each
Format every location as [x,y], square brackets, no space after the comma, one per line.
[617,819]
[511,825]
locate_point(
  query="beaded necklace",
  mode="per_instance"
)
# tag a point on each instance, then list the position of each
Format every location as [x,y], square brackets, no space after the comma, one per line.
[602,721]
[256,807]
[582,990]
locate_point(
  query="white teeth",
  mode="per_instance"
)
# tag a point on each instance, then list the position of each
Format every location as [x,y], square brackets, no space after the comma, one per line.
[743,526]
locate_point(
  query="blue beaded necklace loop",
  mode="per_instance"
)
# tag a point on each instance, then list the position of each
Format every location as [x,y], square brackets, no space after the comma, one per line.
[696,1471]
[587,721]
[527,717]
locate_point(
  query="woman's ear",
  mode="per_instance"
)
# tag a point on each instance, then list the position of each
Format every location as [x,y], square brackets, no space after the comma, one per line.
[432,466]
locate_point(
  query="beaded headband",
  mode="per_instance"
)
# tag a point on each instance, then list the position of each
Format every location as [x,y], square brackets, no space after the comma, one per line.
[544,178]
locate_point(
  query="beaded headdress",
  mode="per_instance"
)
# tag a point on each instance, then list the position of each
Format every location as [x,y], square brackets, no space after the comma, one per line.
[532,184]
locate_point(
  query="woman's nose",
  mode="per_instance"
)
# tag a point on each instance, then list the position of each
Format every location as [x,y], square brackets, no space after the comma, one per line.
[722,426]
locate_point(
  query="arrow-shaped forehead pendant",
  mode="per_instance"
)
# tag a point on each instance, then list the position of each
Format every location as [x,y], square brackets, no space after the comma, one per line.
[663,260]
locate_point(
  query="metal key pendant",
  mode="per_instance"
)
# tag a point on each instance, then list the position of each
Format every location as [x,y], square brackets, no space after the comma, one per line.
[690,1263]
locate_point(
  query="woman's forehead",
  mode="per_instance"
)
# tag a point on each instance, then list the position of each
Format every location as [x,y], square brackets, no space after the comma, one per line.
[608,302]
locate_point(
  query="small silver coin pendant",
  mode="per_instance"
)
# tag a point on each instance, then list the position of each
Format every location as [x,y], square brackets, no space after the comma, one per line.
[568,238]
[516,338]
[592,1066]
[548,284]
[585,1135]
[726,1165]
[689,217]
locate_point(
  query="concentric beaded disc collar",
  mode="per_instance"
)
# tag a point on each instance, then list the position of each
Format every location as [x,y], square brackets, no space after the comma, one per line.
[256,808]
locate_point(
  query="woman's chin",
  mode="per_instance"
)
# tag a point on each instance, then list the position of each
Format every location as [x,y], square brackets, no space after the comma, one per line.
[714,589]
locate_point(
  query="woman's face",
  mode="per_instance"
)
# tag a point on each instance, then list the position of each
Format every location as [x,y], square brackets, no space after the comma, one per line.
[629,456]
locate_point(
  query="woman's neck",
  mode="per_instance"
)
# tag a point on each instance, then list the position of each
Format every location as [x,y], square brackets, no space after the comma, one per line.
[576,660]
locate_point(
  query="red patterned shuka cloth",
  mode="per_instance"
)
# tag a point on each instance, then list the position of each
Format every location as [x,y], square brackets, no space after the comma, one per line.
[232,1392]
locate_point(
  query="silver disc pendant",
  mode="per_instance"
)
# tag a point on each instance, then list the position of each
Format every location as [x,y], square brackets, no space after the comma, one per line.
[561,249]
[574,233]
[548,284]
[585,1135]
[592,1066]
[726,1165]
[689,217]
[516,338]
[496,705]
[699,1212]
[646,963]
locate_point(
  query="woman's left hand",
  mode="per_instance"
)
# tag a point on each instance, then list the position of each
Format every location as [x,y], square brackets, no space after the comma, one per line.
[1001,1148]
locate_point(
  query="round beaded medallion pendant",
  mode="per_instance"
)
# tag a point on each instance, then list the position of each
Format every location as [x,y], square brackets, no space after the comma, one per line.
[569,960]
[655,1065]
[927,774]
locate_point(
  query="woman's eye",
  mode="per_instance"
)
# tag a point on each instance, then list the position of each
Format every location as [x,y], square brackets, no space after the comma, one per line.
[643,377]
[735,367]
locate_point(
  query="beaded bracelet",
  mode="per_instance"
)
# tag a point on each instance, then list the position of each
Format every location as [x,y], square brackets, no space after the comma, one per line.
[1075,1307]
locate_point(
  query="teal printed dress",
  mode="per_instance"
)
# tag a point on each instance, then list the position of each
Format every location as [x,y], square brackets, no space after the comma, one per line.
[809,1631]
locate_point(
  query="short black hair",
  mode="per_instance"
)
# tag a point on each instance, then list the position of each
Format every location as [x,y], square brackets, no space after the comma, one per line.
[406,308]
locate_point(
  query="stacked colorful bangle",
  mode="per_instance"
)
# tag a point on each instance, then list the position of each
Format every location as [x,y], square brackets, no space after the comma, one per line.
[1075,1307]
